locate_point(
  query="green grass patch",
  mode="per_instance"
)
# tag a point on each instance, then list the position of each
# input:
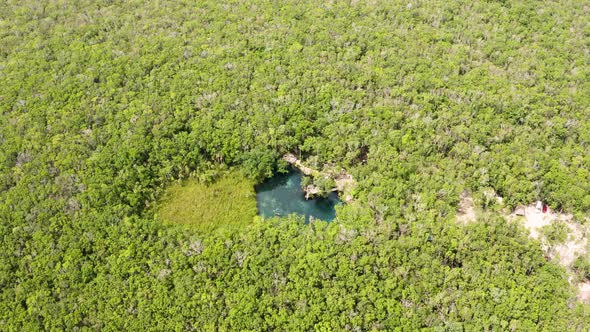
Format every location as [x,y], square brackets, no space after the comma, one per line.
[229,201]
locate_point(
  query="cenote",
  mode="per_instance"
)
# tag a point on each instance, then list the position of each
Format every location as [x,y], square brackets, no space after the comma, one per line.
[282,195]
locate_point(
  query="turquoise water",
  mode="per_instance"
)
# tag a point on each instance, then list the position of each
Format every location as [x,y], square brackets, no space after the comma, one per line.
[282,195]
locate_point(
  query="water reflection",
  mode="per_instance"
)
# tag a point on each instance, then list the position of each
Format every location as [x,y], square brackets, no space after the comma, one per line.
[282,195]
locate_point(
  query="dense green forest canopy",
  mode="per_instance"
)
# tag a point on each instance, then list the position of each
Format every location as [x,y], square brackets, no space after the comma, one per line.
[105,103]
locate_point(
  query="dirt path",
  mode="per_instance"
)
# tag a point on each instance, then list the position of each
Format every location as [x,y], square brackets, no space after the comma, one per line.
[344,181]
[291,159]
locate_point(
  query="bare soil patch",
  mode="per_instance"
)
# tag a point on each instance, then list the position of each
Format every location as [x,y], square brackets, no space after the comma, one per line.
[564,253]
[537,222]
[466,211]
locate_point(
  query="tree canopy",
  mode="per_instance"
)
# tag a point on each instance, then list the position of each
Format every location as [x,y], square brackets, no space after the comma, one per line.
[105,104]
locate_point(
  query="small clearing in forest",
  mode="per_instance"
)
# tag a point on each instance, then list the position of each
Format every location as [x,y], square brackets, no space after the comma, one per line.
[562,239]
[228,201]
[466,211]
[536,222]
[563,251]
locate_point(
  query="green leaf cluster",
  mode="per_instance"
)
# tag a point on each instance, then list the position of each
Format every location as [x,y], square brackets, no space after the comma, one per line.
[105,105]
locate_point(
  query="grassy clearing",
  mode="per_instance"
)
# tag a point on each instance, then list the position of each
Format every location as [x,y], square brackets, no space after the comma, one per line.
[229,201]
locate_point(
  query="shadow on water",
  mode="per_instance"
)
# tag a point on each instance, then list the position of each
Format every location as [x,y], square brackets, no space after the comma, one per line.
[282,195]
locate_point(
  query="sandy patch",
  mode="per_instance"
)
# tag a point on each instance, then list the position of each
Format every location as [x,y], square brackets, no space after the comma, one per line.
[575,245]
[534,220]
[466,211]
[564,253]
[584,291]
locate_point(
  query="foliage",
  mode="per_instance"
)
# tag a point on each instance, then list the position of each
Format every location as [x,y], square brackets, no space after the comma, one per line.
[306,181]
[326,184]
[106,103]
[582,267]
[555,233]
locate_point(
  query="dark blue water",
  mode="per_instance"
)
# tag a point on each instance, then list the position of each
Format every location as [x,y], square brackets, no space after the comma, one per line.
[282,195]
